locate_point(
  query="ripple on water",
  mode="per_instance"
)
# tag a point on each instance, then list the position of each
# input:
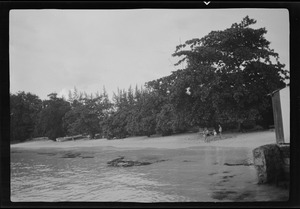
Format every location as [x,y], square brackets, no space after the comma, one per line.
[189,175]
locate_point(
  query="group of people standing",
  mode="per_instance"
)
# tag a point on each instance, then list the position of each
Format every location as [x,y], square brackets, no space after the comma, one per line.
[206,133]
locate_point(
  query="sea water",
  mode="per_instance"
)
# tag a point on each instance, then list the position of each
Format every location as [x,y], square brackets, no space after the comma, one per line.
[198,174]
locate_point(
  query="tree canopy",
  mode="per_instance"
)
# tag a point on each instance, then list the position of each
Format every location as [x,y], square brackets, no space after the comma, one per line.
[24,108]
[229,73]
[86,114]
[227,79]
[50,117]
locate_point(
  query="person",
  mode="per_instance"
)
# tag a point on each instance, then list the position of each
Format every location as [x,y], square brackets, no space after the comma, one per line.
[205,134]
[200,131]
[214,131]
[220,130]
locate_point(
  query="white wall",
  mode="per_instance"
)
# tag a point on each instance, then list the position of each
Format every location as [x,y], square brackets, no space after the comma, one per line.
[285,110]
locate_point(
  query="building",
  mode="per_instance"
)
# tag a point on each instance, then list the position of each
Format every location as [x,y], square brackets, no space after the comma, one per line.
[281,113]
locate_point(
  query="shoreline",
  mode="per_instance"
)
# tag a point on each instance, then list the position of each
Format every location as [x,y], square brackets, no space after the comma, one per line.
[220,171]
[244,140]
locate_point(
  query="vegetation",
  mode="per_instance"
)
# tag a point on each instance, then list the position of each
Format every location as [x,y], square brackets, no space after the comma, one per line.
[227,79]
[86,113]
[24,110]
[49,121]
[229,74]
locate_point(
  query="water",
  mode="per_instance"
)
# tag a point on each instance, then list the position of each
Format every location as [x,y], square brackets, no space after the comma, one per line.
[186,175]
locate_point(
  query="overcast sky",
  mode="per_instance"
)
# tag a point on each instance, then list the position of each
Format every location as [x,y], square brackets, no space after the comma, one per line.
[56,50]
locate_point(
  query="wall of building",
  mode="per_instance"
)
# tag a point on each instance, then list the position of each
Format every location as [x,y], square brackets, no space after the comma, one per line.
[277,118]
[285,112]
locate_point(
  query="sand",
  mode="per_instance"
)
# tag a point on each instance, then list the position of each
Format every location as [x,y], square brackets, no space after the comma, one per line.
[245,140]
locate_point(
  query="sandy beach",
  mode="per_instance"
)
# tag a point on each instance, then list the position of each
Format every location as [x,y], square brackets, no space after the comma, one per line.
[243,140]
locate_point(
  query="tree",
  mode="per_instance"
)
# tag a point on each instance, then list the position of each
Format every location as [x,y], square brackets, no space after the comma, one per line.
[24,108]
[148,108]
[165,120]
[133,118]
[50,123]
[171,104]
[87,113]
[116,123]
[233,71]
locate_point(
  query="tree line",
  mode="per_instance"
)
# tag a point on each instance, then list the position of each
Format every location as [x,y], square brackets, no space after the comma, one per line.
[226,80]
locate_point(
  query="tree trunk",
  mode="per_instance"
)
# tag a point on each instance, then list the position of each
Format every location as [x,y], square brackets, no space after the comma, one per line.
[92,135]
[239,126]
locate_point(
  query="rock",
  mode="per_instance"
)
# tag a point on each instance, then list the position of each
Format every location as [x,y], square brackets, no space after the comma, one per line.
[115,161]
[238,164]
[121,162]
[71,155]
[285,155]
[268,163]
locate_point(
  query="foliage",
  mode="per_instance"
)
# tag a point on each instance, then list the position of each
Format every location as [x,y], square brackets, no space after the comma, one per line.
[86,114]
[50,122]
[170,117]
[165,120]
[149,106]
[227,79]
[232,73]
[24,108]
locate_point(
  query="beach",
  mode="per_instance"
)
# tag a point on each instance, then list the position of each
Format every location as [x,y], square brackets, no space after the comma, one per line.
[249,140]
[178,168]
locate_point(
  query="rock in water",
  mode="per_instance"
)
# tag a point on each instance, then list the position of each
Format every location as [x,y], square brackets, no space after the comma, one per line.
[121,162]
[115,161]
[268,163]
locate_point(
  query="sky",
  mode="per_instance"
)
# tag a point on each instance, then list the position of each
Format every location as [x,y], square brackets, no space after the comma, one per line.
[55,50]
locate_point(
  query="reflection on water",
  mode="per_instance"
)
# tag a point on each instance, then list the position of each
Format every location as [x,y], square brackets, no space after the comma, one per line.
[197,174]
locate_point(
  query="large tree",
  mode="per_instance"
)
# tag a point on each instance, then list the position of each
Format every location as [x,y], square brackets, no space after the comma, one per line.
[87,113]
[167,98]
[229,73]
[115,122]
[24,108]
[149,106]
[50,120]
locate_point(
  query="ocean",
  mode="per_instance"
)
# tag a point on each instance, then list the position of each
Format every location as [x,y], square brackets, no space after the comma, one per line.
[197,174]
